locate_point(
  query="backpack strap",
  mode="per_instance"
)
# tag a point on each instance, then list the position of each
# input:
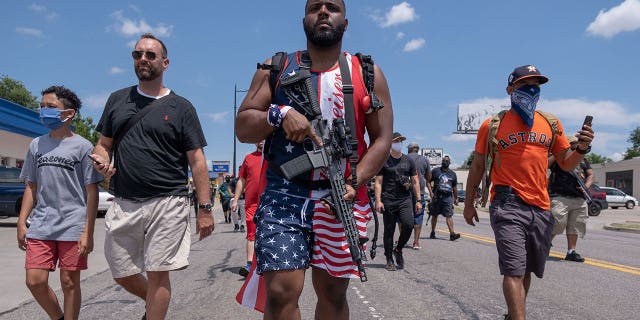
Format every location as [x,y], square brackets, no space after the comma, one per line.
[120,134]
[366,63]
[277,66]
[491,155]
[552,120]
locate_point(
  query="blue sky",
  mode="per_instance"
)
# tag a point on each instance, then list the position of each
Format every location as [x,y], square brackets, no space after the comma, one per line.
[435,55]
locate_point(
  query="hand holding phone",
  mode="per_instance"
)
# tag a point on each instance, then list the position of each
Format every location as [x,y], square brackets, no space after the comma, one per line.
[95,161]
[587,122]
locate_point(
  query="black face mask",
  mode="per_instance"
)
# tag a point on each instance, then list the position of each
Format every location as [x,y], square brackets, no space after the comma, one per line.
[445,164]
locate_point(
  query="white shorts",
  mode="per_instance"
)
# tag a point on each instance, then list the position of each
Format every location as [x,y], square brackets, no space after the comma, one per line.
[152,235]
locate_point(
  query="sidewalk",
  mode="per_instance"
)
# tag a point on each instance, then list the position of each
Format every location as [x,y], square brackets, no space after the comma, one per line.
[621,220]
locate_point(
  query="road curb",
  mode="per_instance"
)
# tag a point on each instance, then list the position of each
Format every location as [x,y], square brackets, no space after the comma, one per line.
[612,228]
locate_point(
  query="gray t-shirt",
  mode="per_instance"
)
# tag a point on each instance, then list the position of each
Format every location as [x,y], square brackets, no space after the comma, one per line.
[423,168]
[61,169]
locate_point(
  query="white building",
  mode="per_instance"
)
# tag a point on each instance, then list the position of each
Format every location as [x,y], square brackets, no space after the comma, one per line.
[18,126]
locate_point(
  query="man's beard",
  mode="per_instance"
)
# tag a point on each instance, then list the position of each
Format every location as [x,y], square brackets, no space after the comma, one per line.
[146,75]
[325,38]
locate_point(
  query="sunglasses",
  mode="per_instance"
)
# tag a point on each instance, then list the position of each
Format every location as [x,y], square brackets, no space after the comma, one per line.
[137,55]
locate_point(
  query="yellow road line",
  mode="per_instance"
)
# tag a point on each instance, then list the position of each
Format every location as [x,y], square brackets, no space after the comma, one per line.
[560,255]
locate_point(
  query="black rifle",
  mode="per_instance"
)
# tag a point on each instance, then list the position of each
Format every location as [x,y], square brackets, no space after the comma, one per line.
[585,190]
[337,145]
[374,246]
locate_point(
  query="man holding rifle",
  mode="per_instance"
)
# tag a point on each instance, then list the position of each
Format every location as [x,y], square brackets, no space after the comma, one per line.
[568,204]
[295,229]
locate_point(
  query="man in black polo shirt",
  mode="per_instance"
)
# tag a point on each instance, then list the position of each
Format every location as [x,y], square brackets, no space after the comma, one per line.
[393,188]
[147,227]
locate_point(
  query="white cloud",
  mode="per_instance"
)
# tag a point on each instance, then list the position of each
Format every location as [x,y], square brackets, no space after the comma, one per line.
[459,137]
[129,27]
[38,8]
[612,121]
[414,44]
[50,15]
[624,17]
[29,31]
[398,14]
[116,70]
[399,35]
[616,156]
[96,101]
[218,117]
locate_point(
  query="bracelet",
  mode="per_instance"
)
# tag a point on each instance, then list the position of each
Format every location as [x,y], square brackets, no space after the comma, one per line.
[580,151]
[276,114]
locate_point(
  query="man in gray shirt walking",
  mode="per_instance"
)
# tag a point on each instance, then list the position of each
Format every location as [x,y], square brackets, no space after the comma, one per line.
[424,175]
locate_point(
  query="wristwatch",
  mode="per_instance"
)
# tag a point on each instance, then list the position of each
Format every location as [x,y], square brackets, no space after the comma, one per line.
[206,206]
[580,151]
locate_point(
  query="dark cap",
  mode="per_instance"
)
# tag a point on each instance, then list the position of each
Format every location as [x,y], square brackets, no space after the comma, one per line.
[413,145]
[524,72]
[397,137]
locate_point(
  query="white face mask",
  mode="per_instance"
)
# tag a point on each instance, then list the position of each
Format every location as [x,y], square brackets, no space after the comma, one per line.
[396,146]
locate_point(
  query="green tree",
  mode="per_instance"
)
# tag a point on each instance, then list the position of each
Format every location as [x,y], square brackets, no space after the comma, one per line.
[15,91]
[596,158]
[86,128]
[467,163]
[634,139]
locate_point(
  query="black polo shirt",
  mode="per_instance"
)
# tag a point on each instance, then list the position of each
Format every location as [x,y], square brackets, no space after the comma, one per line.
[151,159]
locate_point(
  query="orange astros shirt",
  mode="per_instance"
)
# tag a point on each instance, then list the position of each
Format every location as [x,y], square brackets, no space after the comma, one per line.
[523,156]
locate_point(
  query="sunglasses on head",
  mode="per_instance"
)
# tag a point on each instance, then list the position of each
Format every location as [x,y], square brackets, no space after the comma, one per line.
[137,55]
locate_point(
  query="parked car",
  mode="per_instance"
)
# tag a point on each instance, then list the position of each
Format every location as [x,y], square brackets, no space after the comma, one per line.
[599,198]
[104,201]
[462,194]
[617,198]
[11,191]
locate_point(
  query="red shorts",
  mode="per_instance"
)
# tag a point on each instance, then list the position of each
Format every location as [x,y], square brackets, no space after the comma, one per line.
[43,254]
[251,226]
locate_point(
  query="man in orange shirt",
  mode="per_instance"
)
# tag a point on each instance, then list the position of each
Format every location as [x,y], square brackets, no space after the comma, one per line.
[519,211]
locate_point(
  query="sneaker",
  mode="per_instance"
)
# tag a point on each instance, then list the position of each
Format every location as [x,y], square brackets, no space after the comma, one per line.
[390,266]
[416,246]
[432,235]
[574,256]
[399,259]
[241,228]
[236,228]
[243,271]
[454,236]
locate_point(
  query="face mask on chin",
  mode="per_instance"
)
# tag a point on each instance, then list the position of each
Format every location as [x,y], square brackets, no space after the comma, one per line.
[524,101]
[396,146]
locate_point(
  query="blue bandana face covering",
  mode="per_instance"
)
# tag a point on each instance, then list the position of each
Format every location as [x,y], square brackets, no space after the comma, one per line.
[50,118]
[524,101]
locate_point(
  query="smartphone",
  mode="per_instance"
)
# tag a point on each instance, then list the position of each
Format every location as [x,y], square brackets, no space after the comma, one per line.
[94,160]
[587,121]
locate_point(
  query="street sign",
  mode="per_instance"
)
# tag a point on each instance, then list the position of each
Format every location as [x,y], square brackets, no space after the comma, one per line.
[220,166]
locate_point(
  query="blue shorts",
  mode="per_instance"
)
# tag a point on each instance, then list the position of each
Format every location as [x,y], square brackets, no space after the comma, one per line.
[284,235]
[418,217]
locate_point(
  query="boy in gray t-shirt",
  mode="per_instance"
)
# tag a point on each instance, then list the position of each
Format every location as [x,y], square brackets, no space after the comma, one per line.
[62,198]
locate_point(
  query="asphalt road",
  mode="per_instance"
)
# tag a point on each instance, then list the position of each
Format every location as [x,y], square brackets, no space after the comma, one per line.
[443,280]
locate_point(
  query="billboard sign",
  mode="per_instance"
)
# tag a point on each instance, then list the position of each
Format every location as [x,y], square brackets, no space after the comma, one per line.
[471,115]
[434,155]
[220,166]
